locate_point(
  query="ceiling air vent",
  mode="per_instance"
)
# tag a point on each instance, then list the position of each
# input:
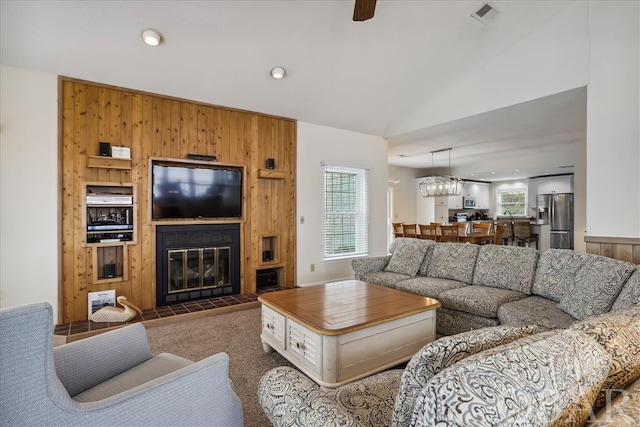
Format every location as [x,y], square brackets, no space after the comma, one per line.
[486,13]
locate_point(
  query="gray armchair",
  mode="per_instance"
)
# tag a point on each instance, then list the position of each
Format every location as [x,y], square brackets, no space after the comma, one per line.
[109,379]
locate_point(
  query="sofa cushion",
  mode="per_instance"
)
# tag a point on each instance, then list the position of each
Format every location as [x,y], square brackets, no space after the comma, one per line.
[424,267]
[157,366]
[545,379]
[453,261]
[451,322]
[506,267]
[479,300]
[618,332]
[384,278]
[534,310]
[428,286]
[596,285]
[556,272]
[370,400]
[442,353]
[407,258]
[630,293]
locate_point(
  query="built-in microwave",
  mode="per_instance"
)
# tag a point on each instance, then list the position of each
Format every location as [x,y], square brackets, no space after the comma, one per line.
[468,202]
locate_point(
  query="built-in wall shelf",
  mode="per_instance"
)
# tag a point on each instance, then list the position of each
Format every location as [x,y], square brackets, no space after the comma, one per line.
[271,174]
[103,162]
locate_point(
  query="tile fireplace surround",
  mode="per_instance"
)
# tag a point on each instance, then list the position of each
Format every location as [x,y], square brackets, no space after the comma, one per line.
[83,328]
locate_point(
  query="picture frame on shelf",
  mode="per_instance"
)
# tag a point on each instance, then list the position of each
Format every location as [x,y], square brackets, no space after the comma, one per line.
[97,300]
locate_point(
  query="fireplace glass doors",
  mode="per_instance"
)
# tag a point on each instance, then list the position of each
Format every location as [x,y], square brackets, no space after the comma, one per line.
[195,262]
[198,268]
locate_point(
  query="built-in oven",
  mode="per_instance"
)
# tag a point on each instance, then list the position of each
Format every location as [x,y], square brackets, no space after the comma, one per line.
[468,202]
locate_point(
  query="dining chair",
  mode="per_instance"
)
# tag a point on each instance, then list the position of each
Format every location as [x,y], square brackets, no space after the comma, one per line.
[449,233]
[463,228]
[482,227]
[498,236]
[397,229]
[410,230]
[522,234]
[428,231]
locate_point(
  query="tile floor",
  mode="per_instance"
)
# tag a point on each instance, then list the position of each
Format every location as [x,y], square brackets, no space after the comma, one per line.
[162,312]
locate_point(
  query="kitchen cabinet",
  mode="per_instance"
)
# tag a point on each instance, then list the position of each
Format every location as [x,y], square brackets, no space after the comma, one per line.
[480,192]
[559,184]
[454,202]
[441,214]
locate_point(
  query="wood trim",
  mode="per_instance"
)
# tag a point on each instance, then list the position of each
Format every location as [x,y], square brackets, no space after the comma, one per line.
[108,162]
[619,240]
[621,248]
[272,174]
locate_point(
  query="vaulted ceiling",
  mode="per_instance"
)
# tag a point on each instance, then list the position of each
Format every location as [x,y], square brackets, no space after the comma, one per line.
[360,76]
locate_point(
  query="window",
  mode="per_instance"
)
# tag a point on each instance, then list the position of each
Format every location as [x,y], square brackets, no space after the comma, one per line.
[346,212]
[512,202]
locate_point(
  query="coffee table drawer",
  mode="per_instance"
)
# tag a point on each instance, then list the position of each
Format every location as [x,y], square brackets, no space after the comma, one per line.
[273,325]
[304,345]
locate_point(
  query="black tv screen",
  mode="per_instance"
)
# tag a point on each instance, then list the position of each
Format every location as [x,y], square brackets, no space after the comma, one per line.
[196,191]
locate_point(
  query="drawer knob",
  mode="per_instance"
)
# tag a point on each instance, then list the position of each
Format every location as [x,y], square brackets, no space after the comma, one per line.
[300,345]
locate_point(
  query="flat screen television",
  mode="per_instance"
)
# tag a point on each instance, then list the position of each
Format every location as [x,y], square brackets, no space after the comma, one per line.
[195,191]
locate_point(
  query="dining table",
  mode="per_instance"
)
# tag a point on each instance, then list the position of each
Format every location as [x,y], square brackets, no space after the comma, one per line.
[477,237]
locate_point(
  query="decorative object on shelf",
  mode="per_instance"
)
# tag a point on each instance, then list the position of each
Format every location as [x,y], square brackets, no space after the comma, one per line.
[202,157]
[121,152]
[271,163]
[105,149]
[114,314]
[436,186]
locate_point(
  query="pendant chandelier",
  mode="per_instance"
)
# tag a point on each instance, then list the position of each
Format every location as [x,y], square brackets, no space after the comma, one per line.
[437,186]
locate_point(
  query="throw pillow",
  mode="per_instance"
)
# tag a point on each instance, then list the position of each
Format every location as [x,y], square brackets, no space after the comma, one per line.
[630,293]
[407,258]
[443,353]
[545,379]
[556,271]
[453,261]
[618,332]
[596,286]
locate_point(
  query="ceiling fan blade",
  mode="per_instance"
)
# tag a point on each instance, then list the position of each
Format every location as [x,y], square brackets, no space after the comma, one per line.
[364,10]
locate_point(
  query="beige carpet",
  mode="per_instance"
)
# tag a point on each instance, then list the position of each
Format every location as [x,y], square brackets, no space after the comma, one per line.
[238,335]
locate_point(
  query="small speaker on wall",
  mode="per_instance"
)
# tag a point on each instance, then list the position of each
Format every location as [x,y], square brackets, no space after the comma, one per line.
[109,271]
[271,163]
[266,256]
[105,149]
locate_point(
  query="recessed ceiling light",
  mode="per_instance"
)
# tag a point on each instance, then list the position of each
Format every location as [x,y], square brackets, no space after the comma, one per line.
[278,73]
[516,170]
[493,172]
[151,37]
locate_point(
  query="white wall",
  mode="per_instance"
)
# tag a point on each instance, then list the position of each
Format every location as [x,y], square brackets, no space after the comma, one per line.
[404,193]
[613,111]
[320,143]
[29,220]
[552,59]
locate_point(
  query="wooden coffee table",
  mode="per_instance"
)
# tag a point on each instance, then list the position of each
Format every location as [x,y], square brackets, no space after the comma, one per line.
[342,331]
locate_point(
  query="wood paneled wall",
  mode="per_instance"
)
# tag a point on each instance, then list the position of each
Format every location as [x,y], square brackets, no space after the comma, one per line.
[625,249]
[156,126]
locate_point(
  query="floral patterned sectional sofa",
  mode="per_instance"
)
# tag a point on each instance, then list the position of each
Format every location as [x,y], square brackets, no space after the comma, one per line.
[489,285]
[549,338]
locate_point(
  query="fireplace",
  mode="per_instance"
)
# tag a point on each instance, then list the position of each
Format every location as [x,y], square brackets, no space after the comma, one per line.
[196,261]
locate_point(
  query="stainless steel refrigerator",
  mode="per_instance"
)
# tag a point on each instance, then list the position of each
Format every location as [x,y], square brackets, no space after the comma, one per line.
[561,220]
